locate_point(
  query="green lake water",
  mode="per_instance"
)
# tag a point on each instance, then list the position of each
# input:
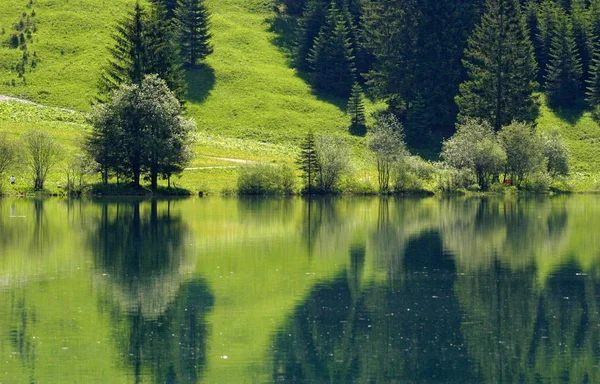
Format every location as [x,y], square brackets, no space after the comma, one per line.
[344,290]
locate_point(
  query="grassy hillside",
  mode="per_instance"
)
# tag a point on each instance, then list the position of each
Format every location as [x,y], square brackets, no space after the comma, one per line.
[247,101]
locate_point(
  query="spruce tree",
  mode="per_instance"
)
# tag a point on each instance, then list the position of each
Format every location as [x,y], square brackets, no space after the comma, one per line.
[143,45]
[593,84]
[309,25]
[547,24]
[331,59]
[581,33]
[563,75]
[501,68]
[356,110]
[308,162]
[192,21]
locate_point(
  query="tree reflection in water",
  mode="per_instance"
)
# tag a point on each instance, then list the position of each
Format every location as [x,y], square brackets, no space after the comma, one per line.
[159,319]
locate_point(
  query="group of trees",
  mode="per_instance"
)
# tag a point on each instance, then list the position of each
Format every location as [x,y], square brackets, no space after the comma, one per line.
[434,61]
[139,128]
[517,153]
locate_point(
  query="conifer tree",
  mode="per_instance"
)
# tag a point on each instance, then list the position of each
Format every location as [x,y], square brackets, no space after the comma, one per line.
[547,24]
[331,59]
[501,68]
[192,21]
[308,162]
[143,45]
[593,84]
[418,122]
[313,18]
[563,75]
[581,34]
[356,110]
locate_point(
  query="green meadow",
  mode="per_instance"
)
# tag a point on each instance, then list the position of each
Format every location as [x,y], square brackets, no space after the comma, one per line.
[247,101]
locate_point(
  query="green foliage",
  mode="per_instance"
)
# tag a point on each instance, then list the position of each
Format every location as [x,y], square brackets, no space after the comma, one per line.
[501,68]
[547,29]
[141,131]
[333,157]
[143,45]
[564,71]
[386,140]
[41,154]
[556,154]
[192,23]
[265,179]
[8,155]
[524,152]
[79,170]
[356,110]
[331,57]
[475,147]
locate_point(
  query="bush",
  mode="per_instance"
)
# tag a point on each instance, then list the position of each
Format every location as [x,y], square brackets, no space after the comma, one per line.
[524,151]
[538,182]
[556,154]
[265,179]
[334,158]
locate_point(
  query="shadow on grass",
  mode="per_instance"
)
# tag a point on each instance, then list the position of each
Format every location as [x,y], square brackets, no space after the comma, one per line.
[200,81]
[572,114]
[130,190]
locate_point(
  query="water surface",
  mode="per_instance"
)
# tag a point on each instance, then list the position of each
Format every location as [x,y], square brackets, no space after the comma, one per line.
[346,290]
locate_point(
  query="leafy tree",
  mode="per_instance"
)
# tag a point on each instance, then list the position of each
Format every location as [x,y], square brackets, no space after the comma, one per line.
[386,140]
[524,151]
[501,68]
[143,44]
[331,59]
[308,162]
[8,154]
[333,157]
[192,21]
[356,110]
[145,124]
[475,147]
[564,71]
[42,153]
[556,154]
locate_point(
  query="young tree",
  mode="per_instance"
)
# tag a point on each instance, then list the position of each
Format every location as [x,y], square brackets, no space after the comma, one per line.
[192,21]
[386,140]
[331,59]
[308,162]
[356,110]
[501,68]
[42,153]
[475,147]
[333,158]
[145,124]
[8,153]
[563,74]
[524,151]
[556,154]
[143,44]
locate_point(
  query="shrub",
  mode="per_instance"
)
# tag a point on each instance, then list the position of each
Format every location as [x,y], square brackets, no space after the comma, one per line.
[556,154]
[538,182]
[265,179]
[333,157]
[524,151]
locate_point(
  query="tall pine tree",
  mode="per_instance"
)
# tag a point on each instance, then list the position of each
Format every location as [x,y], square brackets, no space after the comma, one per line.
[581,34]
[547,24]
[331,59]
[563,74]
[501,68]
[356,110]
[143,44]
[192,21]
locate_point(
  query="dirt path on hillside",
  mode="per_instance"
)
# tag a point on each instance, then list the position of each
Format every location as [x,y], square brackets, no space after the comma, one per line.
[5,99]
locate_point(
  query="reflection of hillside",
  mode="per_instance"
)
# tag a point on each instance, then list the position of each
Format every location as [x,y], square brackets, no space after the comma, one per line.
[408,333]
[138,250]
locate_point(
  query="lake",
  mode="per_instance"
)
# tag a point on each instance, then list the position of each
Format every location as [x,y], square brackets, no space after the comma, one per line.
[339,290]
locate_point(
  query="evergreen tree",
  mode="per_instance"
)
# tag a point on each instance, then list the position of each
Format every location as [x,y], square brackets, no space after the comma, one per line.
[547,24]
[308,162]
[191,19]
[593,84]
[581,32]
[143,45]
[313,18]
[168,5]
[501,68]
[563,75]
[418,122]
[356,110]
[331,59]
